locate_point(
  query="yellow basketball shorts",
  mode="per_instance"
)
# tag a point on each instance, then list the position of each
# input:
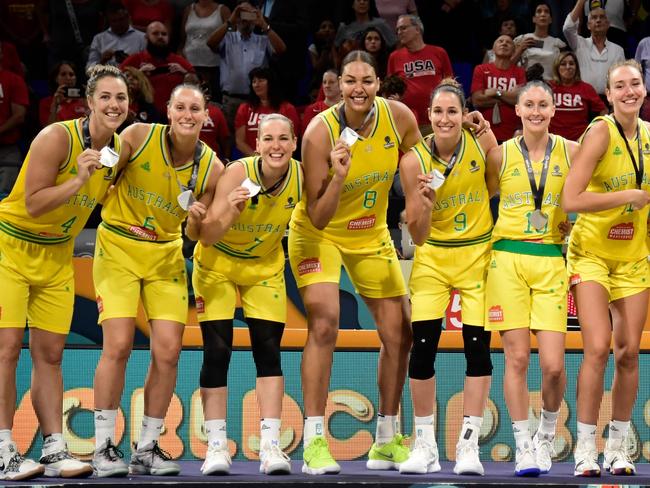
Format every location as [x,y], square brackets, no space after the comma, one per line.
[438,270]
[620,278]
[217,277]
[524,291]
[124,270]
[374,269]
[36,284]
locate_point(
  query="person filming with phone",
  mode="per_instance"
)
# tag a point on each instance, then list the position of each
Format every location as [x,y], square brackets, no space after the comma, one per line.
[66,101]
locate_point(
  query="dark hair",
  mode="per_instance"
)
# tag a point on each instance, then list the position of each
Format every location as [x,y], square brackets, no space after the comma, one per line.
[190,86]
[100,71]
[536,83]
[115,6]
[358,55]
[381,58]
[274,95]
[535,72]
[450,85]
[54,73]
[542,2]
[349,15]
[392,85]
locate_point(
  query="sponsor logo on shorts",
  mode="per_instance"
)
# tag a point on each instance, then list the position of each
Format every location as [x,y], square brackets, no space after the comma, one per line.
[575,279]
[495,314]
[309,265]
[200,305]
[100,304]
[622,232]
[50,234]
[143,233]
[362,223]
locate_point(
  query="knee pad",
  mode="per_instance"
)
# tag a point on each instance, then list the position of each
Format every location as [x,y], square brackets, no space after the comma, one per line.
[217,349]
[476,343]
[265,341]
[426,335]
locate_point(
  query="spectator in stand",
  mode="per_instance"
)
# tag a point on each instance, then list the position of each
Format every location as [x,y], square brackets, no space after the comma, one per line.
[495,13]
[141,107]
[144,12]
[358,17]
[576,102]
[508,28]
[332,94]
[164,68]
[643,57]
[618,13]
[393,88]
[241,50]
[421,65]
[539,46]
[11,60]
[265,98]
[67,101]
[24,23]
[390,10]
[495,87]
[200,20]
[595,54]
[14,100]
[322,51]
[373,43]
[119,41]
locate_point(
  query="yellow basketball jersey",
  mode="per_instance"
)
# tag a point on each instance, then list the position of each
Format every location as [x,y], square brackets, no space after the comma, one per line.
[461,214]
[517,202]
[361,213]
[618,233]
[144,204]
[66,221]
[261,226]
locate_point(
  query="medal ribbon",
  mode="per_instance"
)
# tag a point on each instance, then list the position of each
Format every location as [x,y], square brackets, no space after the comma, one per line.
[454,156]
[343,123]
[538,192]
[273,187]
[195,165]
[87,140]
[638,170]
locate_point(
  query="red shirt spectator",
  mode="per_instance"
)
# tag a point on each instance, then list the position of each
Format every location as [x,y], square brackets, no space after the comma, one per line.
[14,99]
[312,111]
[331,95]
[249,118]
[144,12]
[69,108]
[61,106]
[215,131]
[11,60]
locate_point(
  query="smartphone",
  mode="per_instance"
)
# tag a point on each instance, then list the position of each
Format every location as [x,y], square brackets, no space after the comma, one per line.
[159,70]
[73,92]
[246,15]
[539,44]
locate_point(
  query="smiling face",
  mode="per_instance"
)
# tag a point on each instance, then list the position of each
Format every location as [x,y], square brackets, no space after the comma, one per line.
[276,142]
[535,108]
[359,85]
[625,90]
[109,104]
[186,111]
[446,115]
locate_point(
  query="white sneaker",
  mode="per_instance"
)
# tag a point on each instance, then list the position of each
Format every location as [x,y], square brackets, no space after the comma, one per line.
[616,458]
[59,463]
[15,467]
[586,460]
[152,459]
[526,461]
[467,459]
[544,451]
[217,460]
[273,460]
[107,461]
[422,459]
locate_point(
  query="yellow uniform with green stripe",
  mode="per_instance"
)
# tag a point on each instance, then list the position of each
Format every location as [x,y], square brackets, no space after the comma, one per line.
[610,246]
[249,258]
[527,281]
[36,274]
[139,246]
[357,235]
[456,254]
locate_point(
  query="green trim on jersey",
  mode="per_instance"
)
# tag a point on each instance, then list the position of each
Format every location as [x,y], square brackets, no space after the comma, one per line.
[528,248]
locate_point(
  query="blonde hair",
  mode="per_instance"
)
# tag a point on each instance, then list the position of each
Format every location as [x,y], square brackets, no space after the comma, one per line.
[98,72]
[632,63]
[146,90]
[271,118]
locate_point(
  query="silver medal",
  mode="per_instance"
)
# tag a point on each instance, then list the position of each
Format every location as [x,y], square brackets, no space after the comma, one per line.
[538,219]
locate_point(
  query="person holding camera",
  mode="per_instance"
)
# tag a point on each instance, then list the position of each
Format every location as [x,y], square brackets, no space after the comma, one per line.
[66,102]
[116,43]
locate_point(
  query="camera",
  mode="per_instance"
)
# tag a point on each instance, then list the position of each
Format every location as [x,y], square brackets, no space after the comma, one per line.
[73,92]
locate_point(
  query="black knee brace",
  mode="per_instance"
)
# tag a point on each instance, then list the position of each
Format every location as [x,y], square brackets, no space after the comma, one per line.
[217,349]
[476,342]
[426,335]
[265,341]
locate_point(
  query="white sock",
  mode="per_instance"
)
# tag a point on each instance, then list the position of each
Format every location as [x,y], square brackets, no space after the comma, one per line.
[587,433]
[314,426]
[53,443]
[216,432]
[386,428]
[547,424]
[104,426]
[5,436]
[618,429]
[270,431]
[522,434]
[151,428]
[471,428]
[424,428]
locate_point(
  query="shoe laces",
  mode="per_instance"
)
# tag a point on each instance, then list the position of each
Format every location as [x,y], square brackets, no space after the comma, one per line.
[466,447]
[586,449]
[275,451]
[545,446]
[319,443]
[111,451]
[157,451]
[422,444]
[620,450]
